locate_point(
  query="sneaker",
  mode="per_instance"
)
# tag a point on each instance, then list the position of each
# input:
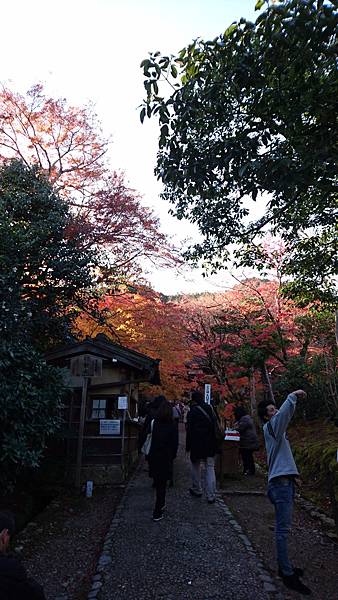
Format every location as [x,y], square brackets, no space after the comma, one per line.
[296,570]
[157,516]
[194,493]
[293,583]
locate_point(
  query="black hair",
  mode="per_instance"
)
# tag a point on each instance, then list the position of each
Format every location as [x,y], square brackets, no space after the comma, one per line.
[239,412]
[262,409]
[197,397]
[164,413]
[7,521]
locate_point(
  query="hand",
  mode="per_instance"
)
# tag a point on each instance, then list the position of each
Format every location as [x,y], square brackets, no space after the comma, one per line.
[300,393]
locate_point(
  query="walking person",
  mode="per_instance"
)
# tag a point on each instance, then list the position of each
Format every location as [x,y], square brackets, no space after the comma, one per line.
[248,442]
[281,481]
[14,583]
[202,444]
[163,450]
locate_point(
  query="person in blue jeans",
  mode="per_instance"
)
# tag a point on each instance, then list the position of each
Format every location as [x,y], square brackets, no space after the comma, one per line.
[281,481]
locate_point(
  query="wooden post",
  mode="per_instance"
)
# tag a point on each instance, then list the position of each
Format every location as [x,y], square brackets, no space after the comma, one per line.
[81,431]
[122,443]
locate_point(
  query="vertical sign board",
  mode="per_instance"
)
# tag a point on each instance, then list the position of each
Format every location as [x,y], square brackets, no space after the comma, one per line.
[122,403]
[207,393]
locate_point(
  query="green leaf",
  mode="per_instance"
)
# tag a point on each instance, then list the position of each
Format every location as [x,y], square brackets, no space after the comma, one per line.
[142,114]
[173,70]
[259,4]
[230,29]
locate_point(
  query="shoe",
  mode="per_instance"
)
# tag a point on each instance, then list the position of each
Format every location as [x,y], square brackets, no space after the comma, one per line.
[194,493]
[293,583]
[157,516]
[296,571]
[212,501]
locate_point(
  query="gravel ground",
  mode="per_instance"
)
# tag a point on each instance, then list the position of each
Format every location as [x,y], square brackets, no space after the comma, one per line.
[60,548]
[194,553]
[309,546]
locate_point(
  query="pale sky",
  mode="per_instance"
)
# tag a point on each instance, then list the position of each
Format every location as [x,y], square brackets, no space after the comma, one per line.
[90,50]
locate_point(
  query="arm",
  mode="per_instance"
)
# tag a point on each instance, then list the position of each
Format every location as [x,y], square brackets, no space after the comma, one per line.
[281,420]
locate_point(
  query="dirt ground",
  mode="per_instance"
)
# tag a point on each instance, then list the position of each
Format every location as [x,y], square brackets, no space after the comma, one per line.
[61,546]
[310,547]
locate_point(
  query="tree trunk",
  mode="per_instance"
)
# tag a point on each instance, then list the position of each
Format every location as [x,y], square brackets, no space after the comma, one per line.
[268,382]
[252,386]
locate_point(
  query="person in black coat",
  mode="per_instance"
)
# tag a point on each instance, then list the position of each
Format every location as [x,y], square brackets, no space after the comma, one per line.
[248,439]
[202,444]
[162,453]
[14,583]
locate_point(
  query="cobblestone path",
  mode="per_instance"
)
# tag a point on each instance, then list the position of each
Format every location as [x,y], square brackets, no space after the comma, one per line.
[194,553]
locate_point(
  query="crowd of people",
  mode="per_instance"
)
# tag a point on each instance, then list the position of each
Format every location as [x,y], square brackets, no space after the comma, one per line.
[159,438]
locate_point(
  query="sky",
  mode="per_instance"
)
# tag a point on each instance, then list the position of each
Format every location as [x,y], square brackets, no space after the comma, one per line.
[90,51]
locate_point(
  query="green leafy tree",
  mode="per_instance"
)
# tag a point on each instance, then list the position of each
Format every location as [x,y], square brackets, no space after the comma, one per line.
[253,117]
[43,276]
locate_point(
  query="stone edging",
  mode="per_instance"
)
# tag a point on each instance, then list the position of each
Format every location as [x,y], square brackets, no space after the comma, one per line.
[265,577]
[105,559]
[314,512]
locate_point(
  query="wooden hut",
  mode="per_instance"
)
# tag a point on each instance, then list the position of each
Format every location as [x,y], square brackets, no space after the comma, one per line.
[100,433]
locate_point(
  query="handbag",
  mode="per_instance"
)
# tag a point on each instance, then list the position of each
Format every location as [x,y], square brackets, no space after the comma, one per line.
[147,444]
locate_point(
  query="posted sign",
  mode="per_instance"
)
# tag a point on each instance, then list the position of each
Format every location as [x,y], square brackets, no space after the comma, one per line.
[110,427]
[122,403]
[207,393]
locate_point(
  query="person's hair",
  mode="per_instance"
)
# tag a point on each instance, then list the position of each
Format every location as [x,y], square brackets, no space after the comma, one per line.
[239,412]
[262,409]
[197,397]
[7,521]
[165,413]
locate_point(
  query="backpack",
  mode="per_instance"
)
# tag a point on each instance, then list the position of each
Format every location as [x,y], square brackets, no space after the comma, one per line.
[218,431]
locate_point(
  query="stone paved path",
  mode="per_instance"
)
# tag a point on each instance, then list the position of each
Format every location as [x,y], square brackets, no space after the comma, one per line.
[194,553]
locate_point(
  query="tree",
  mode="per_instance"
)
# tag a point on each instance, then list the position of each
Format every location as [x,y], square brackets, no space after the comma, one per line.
[254,115]
[44,276]
[66,143]
[146,321]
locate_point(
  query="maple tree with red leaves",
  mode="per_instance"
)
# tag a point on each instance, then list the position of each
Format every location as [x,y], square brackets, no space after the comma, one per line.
[67,144]
[148,322]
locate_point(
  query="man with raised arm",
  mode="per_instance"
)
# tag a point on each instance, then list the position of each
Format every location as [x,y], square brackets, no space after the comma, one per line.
[281,481]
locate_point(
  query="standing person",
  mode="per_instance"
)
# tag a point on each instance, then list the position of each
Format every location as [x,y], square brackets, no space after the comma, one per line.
[14,583]
[248,442]
[202,445]
[185,415]
[162,452]
[281,481]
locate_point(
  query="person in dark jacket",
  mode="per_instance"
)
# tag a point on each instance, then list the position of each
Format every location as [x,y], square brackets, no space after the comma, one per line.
[162,453]
[248,442]
[14,583]
[202,444]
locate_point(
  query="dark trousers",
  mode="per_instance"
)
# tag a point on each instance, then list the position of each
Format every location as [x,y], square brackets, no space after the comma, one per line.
[160,487]
[248,460]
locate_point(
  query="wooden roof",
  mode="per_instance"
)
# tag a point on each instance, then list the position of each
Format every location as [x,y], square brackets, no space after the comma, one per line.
[102,347]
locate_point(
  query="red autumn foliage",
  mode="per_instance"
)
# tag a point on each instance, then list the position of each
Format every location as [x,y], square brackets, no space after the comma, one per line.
[67,143]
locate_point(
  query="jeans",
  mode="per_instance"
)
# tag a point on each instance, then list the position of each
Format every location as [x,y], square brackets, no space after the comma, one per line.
[210,479]
[281,492]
